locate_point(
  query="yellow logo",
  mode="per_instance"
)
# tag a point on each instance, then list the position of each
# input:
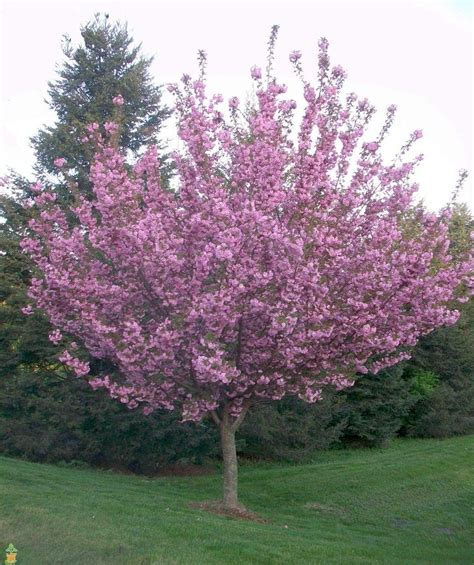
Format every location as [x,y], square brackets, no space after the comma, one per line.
[11,554]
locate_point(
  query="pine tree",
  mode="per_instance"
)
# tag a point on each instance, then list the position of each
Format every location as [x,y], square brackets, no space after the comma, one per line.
[104,66]
[23,339]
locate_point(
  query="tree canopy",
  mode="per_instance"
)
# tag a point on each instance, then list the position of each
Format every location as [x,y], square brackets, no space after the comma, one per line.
[270,270]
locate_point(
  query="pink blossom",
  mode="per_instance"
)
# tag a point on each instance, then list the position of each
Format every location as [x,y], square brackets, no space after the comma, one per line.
[118,100]
[338,71]
[372,146]
[59,162]
[80,368]
[367,329]
[92,128]
[111,127]
[287,105]
[256,73]
[55,336]
[295,56]
[267,271]
[36,187]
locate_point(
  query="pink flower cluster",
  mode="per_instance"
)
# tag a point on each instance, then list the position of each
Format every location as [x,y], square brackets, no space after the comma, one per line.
[79,367]
[118,100]
[295,56]
[268,271]
[256,73]
[59,162]
[55,336]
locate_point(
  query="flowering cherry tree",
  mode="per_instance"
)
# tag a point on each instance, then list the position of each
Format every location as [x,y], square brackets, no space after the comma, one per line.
[285,259]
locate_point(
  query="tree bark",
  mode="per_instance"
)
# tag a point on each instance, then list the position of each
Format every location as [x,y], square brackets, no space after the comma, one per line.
[229,456]
[228,426]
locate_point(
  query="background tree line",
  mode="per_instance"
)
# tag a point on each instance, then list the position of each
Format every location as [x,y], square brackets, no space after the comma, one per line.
[46,414]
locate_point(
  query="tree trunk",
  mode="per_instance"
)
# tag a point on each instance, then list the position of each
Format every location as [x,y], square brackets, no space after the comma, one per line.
[229,456]
[228,425]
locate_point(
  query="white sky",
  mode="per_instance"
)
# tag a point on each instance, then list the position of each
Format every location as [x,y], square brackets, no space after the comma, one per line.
[415,54]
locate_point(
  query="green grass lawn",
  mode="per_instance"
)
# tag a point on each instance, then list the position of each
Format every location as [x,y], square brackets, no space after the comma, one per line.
[410,503]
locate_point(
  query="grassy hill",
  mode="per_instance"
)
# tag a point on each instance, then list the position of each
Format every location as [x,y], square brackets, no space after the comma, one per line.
[410,503]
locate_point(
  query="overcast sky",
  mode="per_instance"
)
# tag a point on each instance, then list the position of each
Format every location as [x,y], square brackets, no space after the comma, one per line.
[415,54]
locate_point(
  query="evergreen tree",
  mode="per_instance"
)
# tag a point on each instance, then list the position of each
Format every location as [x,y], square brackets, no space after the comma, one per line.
[376,407]
[23,339]
[291,429]
[106,65]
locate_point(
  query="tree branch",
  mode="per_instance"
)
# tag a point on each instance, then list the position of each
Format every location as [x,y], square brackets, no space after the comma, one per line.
[243,413]
[215,417]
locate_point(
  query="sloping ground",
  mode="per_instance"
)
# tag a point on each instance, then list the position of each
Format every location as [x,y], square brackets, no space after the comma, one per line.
[410,503]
